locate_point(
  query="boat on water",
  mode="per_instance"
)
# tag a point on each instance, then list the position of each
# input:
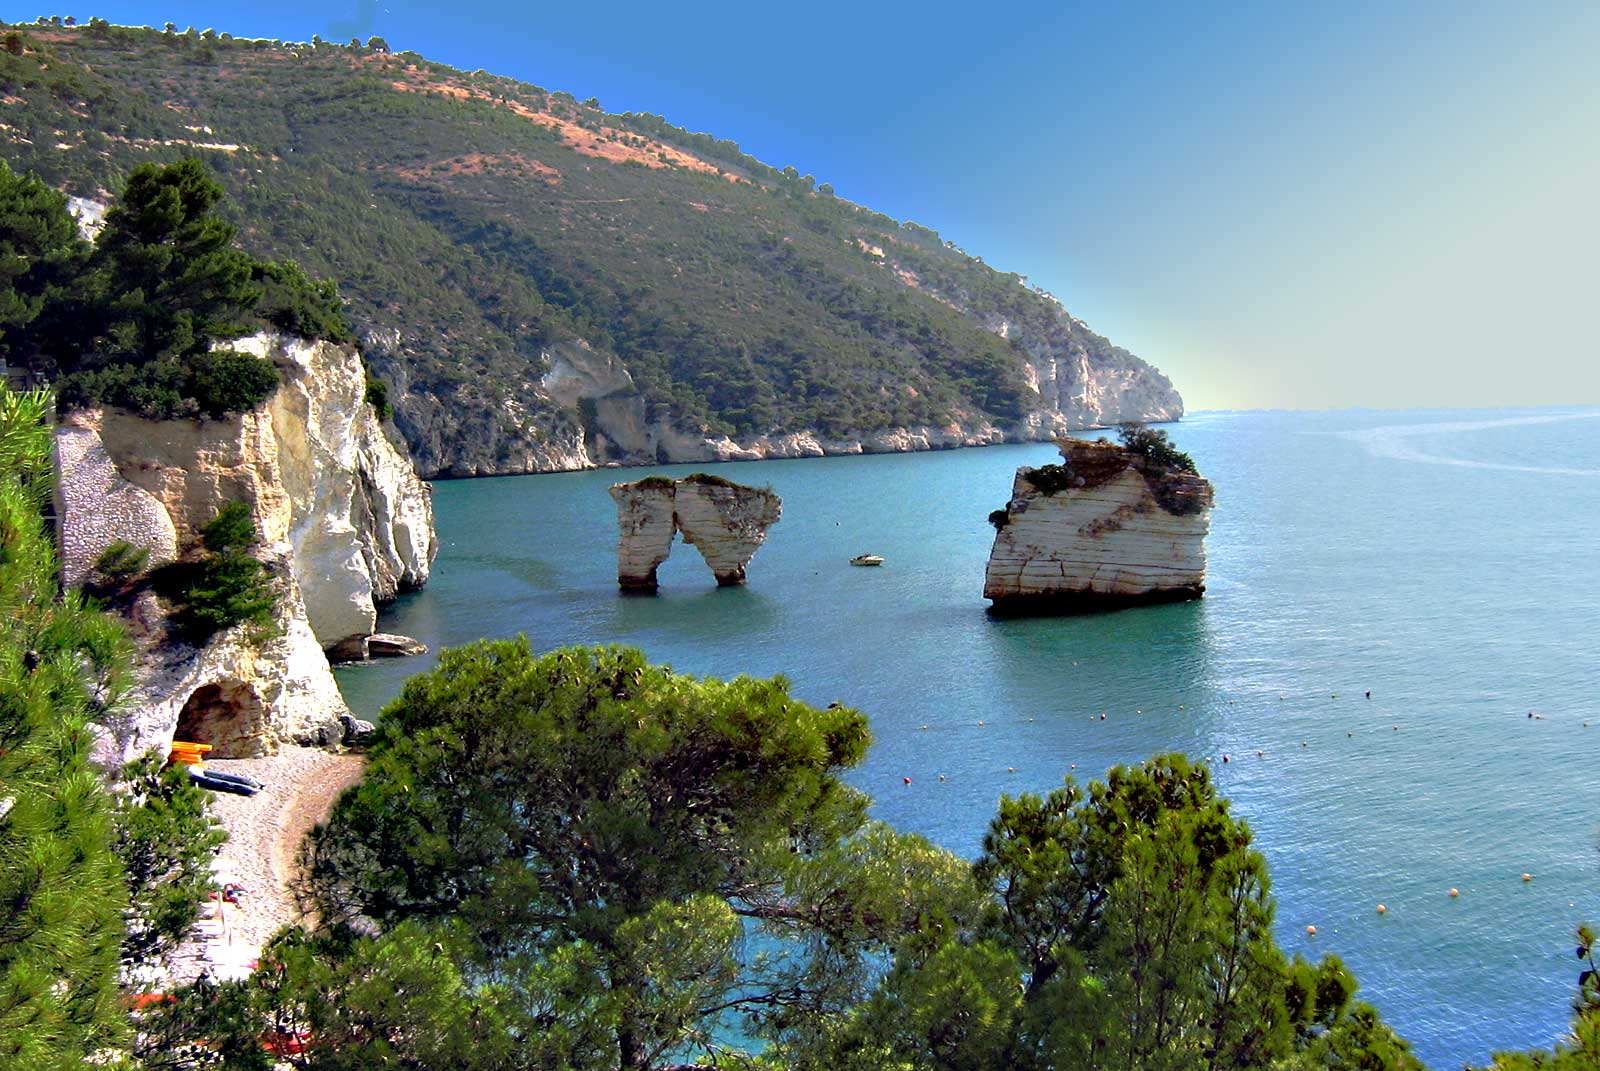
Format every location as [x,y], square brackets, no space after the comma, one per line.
[867,559]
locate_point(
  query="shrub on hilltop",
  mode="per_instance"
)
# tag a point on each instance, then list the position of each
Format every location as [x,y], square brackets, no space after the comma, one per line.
[1049,479]
[1154,446]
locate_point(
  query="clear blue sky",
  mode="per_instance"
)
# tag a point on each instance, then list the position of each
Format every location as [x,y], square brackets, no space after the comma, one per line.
[1279,204]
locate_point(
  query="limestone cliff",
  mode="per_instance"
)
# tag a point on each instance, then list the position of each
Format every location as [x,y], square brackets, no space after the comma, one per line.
[726,522]
[586,411]
[344,523]
[1105,528]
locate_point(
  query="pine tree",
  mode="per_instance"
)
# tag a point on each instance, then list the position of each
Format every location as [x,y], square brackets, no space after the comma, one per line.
[61,889]
[174,279]
[41,255]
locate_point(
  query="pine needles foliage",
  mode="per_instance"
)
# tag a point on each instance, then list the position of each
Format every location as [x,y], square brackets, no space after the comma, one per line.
[61,890]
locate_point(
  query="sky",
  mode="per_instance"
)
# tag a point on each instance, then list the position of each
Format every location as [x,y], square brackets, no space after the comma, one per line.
[1279,205]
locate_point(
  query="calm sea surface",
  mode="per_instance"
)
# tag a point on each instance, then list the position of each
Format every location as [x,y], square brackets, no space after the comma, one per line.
[1447,561]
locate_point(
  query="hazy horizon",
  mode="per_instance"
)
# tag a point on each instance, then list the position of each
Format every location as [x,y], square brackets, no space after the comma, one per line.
[1279,209]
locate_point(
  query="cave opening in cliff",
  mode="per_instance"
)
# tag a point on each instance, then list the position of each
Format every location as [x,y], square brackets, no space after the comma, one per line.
[227,715]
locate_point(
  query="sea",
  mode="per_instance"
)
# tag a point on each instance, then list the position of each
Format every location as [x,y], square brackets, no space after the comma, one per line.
[1446,562]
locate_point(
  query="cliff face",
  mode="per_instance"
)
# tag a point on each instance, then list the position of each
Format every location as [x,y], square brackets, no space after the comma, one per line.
[344,524]
[361,522]
[606,421]
[725,522]
[1119,532]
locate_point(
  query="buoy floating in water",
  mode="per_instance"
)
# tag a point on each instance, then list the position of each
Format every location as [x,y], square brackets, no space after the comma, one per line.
[1455,892]
[1011,769]
[1527,877]
[907,780]
[1382,909]
[1311,931]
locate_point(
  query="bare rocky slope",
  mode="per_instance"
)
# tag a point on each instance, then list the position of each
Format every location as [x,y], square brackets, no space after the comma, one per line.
[545,285]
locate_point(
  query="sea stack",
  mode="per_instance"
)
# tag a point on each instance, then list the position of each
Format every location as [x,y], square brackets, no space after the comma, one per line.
[1110,526]
[725,521]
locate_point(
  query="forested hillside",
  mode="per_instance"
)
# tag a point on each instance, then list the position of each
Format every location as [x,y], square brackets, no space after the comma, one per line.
[546,285]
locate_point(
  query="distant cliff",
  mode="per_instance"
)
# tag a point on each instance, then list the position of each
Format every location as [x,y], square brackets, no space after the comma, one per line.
[345,525]
[545,285]
[1107,527]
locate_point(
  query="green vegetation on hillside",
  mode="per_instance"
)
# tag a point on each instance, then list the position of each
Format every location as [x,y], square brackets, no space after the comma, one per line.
[488,219]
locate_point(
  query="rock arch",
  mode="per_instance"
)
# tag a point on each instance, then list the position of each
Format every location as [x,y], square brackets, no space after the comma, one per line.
[725,521]
[228,715]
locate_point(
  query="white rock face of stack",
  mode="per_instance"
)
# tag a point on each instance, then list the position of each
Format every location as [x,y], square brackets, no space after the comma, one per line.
[1112,540]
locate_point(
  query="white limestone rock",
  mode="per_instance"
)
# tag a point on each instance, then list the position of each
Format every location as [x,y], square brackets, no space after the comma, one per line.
[647,525]
[1123,532]
[726,522]
[344,525]
[362,523]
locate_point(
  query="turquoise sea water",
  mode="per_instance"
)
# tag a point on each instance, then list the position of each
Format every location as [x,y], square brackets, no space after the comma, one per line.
[1447,561]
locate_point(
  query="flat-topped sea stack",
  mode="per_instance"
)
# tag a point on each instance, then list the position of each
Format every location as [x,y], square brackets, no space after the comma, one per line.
[1110,526]
[725,521]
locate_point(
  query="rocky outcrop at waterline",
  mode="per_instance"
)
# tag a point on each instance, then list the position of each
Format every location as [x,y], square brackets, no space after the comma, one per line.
[1107,527]
[586,412]
[344,524]
[726,522]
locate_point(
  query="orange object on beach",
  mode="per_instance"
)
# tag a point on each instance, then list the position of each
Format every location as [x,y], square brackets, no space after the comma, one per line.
[188,754]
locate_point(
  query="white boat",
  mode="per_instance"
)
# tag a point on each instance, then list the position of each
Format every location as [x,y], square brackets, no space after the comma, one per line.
[867,559]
